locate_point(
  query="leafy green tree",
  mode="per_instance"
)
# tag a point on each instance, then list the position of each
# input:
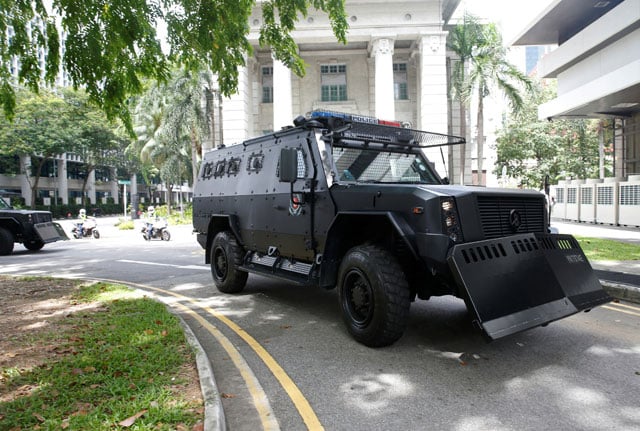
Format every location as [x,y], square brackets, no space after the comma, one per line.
[43,127]
[110,47]
[149,112]
[529,149]
[488,70]
[97,142]
[186,113]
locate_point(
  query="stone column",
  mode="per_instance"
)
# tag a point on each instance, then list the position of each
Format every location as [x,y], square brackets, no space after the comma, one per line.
[382,53]
[282,96]
[432,92]
[113,176]
[25,178]
[62,180]
[236,110]
[91,187]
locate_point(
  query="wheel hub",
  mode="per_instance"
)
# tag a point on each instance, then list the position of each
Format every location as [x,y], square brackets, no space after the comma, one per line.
[359,299]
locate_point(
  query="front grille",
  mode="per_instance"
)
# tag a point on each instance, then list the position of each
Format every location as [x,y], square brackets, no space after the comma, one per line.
[497,214]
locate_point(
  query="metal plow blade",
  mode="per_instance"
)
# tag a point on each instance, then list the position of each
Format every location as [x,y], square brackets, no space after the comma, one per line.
[519,282]
[50,232]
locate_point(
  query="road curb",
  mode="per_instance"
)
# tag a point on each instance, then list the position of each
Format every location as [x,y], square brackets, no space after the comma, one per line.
[622,291]
[214,419]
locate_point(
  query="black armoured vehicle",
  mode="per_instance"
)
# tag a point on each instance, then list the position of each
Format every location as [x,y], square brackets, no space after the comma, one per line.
[33,229]
[350,202]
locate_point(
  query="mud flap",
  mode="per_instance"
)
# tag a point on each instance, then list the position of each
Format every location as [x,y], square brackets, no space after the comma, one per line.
[50,232]
[519,282]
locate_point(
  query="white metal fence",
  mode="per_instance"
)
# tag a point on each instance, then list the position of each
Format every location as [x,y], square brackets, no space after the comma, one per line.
[609,201]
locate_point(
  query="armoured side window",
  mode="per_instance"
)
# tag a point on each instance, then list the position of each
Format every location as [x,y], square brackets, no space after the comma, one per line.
[207,170]
[255,162]
[220,168]
[233,166]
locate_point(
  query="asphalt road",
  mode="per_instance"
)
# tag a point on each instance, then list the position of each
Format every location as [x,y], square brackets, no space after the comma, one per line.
[283,359]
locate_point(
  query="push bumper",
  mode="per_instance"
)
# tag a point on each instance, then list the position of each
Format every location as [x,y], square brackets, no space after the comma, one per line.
[519,282]
[50,232]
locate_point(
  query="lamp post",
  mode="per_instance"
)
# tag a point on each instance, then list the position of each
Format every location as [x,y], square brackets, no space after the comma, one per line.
[124,195]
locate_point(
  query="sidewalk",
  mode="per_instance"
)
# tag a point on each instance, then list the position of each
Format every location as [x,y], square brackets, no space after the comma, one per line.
[621,279]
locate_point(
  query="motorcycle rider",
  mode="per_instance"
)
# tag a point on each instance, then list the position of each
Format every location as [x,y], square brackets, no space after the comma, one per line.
[151,218]
[82,216]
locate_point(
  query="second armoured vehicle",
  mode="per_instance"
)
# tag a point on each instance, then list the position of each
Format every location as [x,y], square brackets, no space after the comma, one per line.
[351,202]
[33,229]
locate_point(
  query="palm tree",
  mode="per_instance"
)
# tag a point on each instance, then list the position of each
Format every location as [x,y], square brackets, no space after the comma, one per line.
[172,123]
[186,112]
[488,69]
[462,40]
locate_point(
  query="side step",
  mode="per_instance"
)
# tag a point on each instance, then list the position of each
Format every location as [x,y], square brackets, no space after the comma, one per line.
[279,267]
[519,282]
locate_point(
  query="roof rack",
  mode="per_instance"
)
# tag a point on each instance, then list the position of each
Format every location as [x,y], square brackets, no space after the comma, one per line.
[371,130]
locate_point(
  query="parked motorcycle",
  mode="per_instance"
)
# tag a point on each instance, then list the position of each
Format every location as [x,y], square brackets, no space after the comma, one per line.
[156,230]
[84,229]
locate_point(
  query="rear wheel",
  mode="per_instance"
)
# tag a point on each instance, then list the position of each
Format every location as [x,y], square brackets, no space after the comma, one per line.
[374,295]
[226,257]
[6,242]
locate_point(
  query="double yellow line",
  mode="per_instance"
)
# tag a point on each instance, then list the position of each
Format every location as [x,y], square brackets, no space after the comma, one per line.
[623,308]
[269,422]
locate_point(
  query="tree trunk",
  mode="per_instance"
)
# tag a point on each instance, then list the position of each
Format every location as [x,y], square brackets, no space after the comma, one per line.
[169,198]
[84,187]
[463,134]
[211,114]
[194,157]
[601,127]
[34,186]
[480,137]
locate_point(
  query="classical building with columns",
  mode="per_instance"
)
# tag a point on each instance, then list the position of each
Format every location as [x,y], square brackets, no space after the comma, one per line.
[394,66]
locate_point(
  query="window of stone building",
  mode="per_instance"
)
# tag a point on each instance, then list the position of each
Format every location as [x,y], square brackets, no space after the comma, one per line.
[400,81]
[267,84]
[333,81]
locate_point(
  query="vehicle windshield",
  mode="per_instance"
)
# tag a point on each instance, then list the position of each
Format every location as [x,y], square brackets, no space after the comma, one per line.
[366,165]
[4,205]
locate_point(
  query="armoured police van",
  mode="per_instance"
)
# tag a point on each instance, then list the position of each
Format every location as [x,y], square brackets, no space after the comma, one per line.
[351,202]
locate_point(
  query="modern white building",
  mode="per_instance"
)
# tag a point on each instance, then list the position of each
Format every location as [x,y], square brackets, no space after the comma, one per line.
[597,66]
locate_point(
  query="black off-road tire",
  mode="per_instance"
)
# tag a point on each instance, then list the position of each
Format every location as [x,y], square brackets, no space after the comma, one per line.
[6,242]
[33,245]
[226,257]
[374,295]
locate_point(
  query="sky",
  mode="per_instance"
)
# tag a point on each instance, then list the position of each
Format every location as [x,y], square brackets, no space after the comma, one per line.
[511,15]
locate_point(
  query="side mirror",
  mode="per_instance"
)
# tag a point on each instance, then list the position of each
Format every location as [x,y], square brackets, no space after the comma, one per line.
[288,165]
[445,180]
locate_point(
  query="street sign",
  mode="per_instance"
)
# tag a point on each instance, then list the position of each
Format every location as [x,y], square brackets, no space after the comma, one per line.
[125,182]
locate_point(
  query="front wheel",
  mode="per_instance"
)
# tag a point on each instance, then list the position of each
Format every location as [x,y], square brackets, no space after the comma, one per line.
[96,234]
[374,296]
[166,236]
[6,242]
[226,257]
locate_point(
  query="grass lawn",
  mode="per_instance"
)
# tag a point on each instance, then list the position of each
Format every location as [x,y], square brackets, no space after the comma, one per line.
[606,249]
[100,358]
